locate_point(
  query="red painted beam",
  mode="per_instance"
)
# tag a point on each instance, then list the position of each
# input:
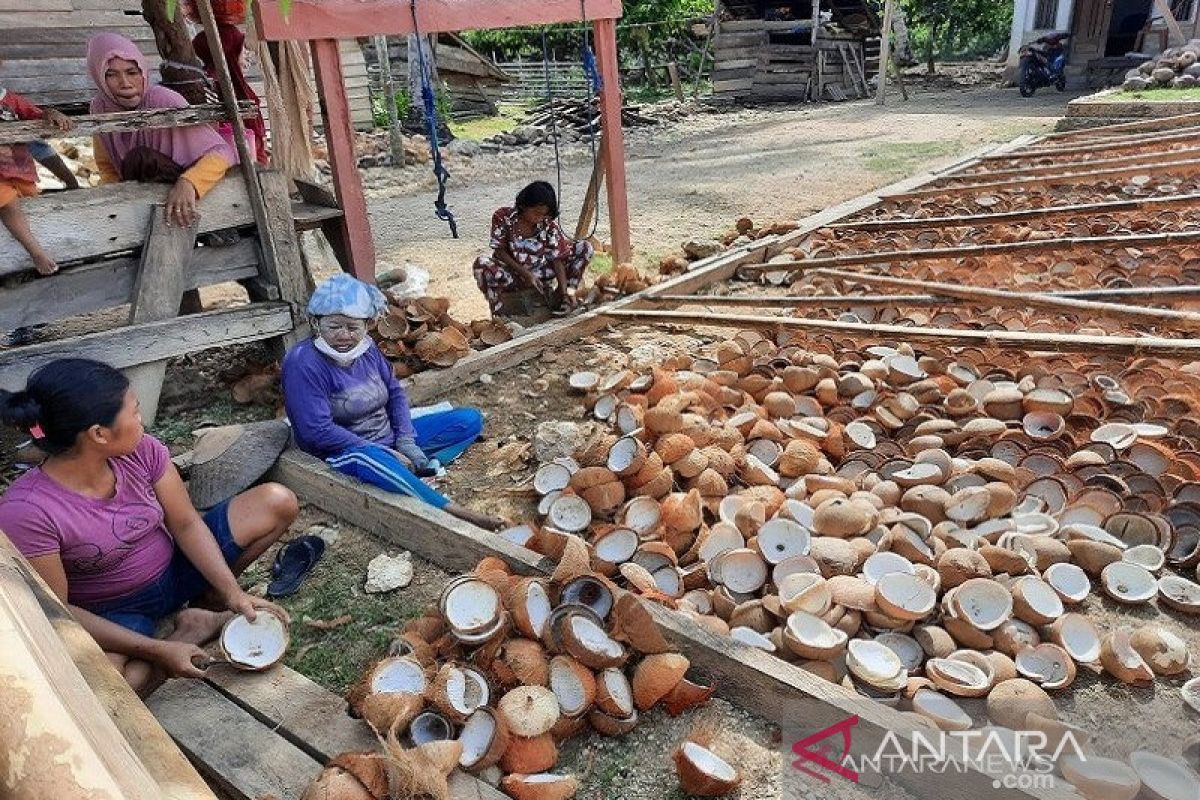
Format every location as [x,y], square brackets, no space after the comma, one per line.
[613,139]
[355,236]
[349,19]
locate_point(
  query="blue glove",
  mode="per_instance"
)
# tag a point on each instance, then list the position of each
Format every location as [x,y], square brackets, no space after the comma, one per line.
[409,449]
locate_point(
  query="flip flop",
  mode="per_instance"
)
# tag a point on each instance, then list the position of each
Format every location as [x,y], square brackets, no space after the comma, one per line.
[292,564]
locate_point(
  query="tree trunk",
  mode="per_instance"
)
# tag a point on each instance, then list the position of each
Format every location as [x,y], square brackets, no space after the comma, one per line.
[931,47]
[174,45]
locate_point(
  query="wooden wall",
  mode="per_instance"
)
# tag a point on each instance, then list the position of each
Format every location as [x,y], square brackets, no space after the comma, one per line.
[747,66]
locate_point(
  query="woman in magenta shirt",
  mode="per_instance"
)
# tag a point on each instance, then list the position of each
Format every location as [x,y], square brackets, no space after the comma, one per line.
[107,522]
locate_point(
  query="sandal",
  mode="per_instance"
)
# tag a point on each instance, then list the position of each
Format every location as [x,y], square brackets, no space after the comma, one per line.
[292,564]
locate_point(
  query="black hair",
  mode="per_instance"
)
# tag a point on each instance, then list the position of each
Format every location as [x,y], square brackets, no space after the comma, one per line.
[65,398]
[538,193]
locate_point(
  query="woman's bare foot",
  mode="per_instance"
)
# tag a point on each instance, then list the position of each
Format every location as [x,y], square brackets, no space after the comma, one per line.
[198,625]
[43,264]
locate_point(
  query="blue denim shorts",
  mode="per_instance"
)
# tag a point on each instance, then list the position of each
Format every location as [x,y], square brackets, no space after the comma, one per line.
[178,585]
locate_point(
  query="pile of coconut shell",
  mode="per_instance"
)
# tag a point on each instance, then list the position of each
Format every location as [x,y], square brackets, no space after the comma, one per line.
[621,280]
[1175,68]
[744,231]
[914,525]
[420,334]
[503,670]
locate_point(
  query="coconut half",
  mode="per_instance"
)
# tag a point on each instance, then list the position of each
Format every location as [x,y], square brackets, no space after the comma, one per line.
[529,711]
[529,604]
[885,563]
[1047,665]
[782,538]
[1146,555]
[1164,778]
[469,605]
[588,642]
[1164,651]
[570,513]
[752,638]
[390,692]
[810,637]
[982,603]
[614,694]
[257,645]
[958,677]
[573,684]
[1128,583]
[906,648]
[1100,778]
[741,570]
[876,665]
[1191,694]
[541,786]
[1120,660]
[459,691]
[804,591]
[627,456]
[1036,601]
[1079,636]
[904,596]
[946,714]
[1069,581]
[484,737]
[1179,593]
[551,477]
[702,773]
[655,676]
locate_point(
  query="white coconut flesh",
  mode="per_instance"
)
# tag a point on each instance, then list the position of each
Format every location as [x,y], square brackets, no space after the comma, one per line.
[617,546]
[781,538]
[1041,597]
[722,537]
[544,777]
[947,714]
[551,477]
[584,381]
[861,435]
[885,563]
[985,605]
[1079,636]
[622,454]
[1148,556]
[1117,435]
[519,534]
[1069,580]
[399,676]
[751,638]
[1164,777]
[739,571]
[814,631]
[642,514]
[955,673]
[1095,534]
[471,607]
[1128,583]
[619,691]
[873,663]
[669,580]
[805,591]
[476,737]
[1191,694]
[709,762]
[1100,777]
[593,638]
[766,451]
[570,513]
[567,687]
[537,607]
[1180,591]
[1042,664]
[906,593]
[906,648]
[257,644]
[467,690]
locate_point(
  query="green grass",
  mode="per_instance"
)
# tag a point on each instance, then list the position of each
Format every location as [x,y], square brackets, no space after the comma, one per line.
[1158,95]
[901,158]
[176,428]
[475,130]
[601,264]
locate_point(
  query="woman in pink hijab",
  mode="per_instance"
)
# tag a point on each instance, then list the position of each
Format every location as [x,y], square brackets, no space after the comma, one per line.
[194,158]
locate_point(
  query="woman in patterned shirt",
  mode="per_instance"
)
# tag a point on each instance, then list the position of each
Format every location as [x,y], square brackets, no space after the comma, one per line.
[530,251]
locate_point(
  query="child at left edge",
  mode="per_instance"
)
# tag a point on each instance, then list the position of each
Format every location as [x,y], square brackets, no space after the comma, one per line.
[18,175]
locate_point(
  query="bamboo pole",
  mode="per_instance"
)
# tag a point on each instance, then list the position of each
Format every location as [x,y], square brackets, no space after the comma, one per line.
[999,297]
[938,253]
[952,337]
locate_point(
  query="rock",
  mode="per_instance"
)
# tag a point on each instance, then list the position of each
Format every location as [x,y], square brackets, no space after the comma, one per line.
[386,573]
[329,533]
[527,133]
[702,248]
[1163,75]
[464,148]
[558,440]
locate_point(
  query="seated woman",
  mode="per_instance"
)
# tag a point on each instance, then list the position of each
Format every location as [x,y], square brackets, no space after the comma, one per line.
[193,158]
[347,407]
[530,250]
[107,522]
[233,42]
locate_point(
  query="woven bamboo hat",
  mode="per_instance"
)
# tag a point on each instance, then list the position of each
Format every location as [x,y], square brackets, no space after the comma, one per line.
[232,458]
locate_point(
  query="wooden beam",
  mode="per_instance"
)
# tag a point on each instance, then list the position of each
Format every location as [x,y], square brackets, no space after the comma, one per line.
[781,692]
[285,269]
[174,776]
[1164,10]
[1154,294]
[1101,132]
[885,48]
[1187,320]
[1150,158]
[1116,143]
[952,337]
[354,224]
[151,341]
[318,19]
[993,218]
[613,138]
[939,253]
[92,124]
[57,740]
[85,225]
[1082,176]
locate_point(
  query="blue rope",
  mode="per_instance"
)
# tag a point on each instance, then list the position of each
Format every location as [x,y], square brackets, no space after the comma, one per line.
[441,210]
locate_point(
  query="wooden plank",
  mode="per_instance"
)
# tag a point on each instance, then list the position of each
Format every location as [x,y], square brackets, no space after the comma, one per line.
[174,776]
[781,692]
[151,341]
[1098,163]
[156,296]
[56,736]
[85,225]
[285,269]
[612,142]
[91,124]
[938,253]
[1164,11]
[235,752]
[1116,143]
[1104,131]
[738,85]
[1187,320]
[106,284]
[1006,340]
[1155,294]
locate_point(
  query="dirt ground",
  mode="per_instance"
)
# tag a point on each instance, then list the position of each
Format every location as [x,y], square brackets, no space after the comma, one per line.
[694,177]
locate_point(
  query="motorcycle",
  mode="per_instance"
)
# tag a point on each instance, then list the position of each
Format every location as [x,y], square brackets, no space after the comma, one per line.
[1043,63]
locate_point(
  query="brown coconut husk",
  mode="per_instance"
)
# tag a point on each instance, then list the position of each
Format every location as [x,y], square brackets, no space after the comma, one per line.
[633,624]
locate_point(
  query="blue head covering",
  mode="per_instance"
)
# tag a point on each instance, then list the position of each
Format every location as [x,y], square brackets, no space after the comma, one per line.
[348,296]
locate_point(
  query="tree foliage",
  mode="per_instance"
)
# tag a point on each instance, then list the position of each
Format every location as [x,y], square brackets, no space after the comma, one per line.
[946,28]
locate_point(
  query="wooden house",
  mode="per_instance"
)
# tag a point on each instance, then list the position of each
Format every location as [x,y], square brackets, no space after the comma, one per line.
[768,51]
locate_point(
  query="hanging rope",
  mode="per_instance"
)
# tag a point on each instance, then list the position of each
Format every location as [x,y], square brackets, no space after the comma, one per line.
[431,123]
[553,115]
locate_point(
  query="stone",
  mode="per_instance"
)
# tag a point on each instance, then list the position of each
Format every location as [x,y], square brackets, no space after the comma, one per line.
[465,148]
[702,248]
[387,573]
[329,533]
[558,440]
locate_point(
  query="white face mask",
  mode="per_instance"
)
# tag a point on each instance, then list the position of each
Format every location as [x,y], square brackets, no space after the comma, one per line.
[343,359]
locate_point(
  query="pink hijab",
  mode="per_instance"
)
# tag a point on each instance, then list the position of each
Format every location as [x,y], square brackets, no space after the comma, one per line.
[184,146]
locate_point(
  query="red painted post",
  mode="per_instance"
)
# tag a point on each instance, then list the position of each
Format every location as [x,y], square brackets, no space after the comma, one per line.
[613,141]
[339,139]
